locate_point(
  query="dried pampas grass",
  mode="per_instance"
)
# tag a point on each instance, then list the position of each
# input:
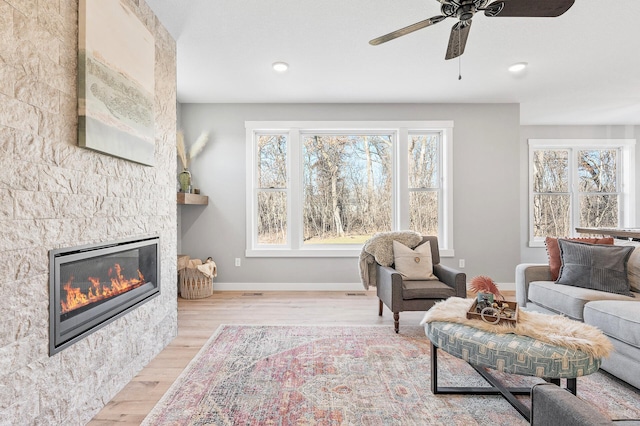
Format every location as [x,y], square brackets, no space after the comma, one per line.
[484,284]
[197,147]
[181,150]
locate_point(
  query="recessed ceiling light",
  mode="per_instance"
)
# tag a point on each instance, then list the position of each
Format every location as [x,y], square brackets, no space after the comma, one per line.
[280,66]
[518,67]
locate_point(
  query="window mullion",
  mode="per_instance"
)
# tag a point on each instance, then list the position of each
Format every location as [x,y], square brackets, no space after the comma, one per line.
[574,184]
[620,186]
[294,188]
[401,180]
[251,188]
[446,188]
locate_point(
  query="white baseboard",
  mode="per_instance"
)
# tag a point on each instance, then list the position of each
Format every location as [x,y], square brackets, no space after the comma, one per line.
[309,286]
[507,286]
[287,286]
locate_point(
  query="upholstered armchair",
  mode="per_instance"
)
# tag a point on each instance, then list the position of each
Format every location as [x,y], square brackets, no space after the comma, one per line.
[418,295]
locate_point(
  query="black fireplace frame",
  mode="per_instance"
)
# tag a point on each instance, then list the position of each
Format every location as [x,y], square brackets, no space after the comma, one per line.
[64,334]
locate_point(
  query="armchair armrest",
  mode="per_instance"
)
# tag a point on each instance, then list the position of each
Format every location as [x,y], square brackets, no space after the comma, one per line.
[452,277]
[525,274]
[551,404]
[389,287]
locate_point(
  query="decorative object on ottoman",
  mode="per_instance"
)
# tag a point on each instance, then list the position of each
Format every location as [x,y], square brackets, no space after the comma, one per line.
[486,307]
[483,284]
[496,313]
[196,279]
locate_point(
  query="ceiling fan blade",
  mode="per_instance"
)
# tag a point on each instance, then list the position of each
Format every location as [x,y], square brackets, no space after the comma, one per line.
[528,8]
[406,30]
[458,39]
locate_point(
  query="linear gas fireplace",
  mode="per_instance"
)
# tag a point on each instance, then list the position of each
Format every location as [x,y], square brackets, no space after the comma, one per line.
[90,286]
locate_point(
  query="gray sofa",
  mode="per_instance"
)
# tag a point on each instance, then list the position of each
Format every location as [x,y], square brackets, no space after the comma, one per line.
[618,316]
[551,405]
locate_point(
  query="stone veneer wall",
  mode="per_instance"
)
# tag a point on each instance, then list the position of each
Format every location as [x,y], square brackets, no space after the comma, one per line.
[54,194]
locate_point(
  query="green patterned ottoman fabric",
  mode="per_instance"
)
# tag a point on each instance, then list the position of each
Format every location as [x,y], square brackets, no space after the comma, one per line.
[510,353]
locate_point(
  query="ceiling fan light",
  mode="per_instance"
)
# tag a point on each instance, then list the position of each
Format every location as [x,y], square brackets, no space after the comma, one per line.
[280,66]
[518,67]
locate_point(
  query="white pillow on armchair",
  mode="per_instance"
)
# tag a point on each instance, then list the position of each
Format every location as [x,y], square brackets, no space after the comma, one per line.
[413,264]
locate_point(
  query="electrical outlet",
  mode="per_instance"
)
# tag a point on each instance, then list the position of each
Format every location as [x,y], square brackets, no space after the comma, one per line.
[461,263]
[237,261]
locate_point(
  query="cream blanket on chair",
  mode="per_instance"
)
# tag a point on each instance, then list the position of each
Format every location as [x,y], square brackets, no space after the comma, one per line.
[379,249]
[553,329]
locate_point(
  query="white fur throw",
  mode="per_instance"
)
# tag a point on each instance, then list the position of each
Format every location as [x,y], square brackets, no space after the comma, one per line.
[553,329]
[379,248]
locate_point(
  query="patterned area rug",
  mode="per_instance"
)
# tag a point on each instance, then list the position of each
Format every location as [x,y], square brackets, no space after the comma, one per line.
[351,375]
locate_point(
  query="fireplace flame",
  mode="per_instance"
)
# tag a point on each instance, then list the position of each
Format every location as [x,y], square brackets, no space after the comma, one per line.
[76,298]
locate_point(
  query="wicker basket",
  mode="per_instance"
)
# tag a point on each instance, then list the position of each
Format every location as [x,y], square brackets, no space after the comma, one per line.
[194,284]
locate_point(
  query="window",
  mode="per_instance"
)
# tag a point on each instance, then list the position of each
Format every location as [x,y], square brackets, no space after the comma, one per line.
[272,189]
[579,183]
[323,188]
[425,182]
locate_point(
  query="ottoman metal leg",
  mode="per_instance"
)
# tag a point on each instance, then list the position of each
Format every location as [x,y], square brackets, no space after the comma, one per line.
[496,389]
[571,384]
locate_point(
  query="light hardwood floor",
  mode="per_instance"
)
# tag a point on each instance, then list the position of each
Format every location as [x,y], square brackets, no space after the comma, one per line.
[198,319]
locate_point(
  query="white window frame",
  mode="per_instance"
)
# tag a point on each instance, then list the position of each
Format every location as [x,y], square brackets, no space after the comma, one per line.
[626,177]
[400,131]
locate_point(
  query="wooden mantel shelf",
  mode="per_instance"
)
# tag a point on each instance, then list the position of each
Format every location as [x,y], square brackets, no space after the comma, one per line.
[194,199]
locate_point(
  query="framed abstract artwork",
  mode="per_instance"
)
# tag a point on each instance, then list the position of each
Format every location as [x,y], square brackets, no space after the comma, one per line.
[116,61]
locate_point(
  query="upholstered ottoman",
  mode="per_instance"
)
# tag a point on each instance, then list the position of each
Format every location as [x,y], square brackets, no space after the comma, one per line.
[508,353]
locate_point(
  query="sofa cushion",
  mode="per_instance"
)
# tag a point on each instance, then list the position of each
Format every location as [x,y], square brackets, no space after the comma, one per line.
[598,267]
[568,300]
[633,265]
[553,251]
[413,264]
[618,319]
[426,290]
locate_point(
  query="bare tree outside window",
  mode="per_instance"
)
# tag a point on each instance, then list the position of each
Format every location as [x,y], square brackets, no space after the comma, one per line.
[424,182]
[347,187]
[551,197]
[598,186]
[272,189]
[323,188]
[596,195]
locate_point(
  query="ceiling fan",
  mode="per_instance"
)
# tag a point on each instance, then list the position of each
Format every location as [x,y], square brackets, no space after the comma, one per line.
[464,10]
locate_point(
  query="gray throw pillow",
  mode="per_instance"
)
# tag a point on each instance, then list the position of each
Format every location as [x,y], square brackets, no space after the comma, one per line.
[594,266]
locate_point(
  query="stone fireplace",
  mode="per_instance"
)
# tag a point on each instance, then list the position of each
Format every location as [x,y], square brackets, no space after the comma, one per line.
[91,286]
[55,194]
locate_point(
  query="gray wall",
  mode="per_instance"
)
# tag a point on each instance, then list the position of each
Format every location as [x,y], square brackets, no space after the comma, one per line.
[539,254]
[486,190]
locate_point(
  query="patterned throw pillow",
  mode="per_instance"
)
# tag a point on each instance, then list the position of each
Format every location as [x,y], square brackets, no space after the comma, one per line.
[595,266]
[553,251]
[415,264]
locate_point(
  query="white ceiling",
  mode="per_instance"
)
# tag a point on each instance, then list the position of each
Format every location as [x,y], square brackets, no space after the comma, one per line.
[584,66]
